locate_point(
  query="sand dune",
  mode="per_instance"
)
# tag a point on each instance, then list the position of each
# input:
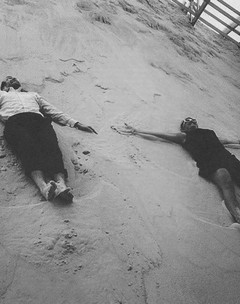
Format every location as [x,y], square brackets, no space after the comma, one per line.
[143,227]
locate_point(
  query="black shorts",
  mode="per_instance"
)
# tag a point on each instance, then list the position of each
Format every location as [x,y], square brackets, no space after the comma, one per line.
[33,139]
[227,161]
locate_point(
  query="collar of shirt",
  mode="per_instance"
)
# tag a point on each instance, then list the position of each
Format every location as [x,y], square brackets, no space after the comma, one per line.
[11,89]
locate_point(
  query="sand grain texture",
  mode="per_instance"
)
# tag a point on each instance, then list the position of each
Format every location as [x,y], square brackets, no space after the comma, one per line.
[144,228]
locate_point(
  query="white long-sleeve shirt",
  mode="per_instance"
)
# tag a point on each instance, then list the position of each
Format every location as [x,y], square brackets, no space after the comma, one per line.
[14,102]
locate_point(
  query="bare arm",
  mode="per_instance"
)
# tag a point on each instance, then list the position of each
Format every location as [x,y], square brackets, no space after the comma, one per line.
[56,115]
[59,117]
[234,144]
[177,138]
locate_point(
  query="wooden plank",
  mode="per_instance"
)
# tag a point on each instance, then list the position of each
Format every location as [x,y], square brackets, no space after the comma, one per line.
[179,3]
[209,24]
[234,26]
[187,9]
[229,6]
[224,13]
[232,29]
[184,7]
[200,11]
[217,30]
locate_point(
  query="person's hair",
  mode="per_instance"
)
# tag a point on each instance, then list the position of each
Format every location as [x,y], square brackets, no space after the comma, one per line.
[185,121]
[3,84]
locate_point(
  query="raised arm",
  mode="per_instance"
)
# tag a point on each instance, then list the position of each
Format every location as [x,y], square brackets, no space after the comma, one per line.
[177,138]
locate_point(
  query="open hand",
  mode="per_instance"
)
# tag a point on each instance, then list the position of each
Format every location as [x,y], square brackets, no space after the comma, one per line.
[90,130]
[82,127]
[125,130]
[129,129]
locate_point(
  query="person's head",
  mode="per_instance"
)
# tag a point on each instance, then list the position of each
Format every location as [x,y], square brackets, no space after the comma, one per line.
[9,82]
[188,124]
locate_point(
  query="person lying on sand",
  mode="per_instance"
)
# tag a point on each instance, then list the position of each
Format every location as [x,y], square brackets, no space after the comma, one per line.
[215,163]
[28,131]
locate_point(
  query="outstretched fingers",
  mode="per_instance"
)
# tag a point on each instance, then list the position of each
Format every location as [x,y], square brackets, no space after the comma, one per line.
[92,130]
[129,128]
[125,130]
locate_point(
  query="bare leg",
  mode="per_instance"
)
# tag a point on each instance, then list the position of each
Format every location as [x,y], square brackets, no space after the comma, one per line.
[60,179]
[223,180]
[62,191]
[46,189]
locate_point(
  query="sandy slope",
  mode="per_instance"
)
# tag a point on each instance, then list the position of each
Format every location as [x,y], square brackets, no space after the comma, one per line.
[143,228]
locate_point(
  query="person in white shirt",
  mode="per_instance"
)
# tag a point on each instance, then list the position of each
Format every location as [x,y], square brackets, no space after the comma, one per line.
[28,131]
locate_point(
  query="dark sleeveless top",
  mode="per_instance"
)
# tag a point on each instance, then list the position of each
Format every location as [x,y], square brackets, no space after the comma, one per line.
[206,149]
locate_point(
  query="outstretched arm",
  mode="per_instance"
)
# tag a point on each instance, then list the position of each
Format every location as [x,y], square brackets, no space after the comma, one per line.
[59,117]
[234,144]
[177,138]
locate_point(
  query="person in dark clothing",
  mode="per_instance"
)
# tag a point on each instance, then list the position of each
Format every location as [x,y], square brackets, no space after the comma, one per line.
[28,131]
[215,163]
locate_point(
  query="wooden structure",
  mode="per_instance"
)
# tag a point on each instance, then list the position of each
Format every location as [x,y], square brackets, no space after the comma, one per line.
[230,27]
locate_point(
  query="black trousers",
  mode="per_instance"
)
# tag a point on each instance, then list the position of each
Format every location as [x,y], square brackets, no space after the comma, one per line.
[33,139]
